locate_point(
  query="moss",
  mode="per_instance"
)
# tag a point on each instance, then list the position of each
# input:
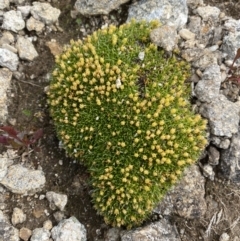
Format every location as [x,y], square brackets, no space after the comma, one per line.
[128,120]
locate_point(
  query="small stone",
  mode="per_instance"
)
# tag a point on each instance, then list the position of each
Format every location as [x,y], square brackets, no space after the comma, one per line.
[4,4]
[208,171]
[34,25]
[59,216]
[165,37]
[25,234]
[186,34]
[8,59]
[22,180]
[12,20]
[224,237]
[69,230]
[54,47]
[26,49]
[56,200]
[213,156]
[208,12]
[7,38]
[18,216]
[47,224]
[40,234]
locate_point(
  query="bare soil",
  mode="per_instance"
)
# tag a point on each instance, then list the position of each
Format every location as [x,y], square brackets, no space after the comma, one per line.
[29,109]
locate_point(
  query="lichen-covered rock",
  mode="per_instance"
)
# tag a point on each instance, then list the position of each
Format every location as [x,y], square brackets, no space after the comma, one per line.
[161,230]
[186,199]
[223,116]
[173,13]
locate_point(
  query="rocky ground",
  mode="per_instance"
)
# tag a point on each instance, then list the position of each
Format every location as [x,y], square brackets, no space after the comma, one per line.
[43,192]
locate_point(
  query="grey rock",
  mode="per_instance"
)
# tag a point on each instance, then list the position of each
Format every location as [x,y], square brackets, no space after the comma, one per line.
[25,234]
[113,234]
[4,4]
[220,142]
[194,3]
[4,163]
[59,216]
[223,116]
[165,37]
[56,200]
[230,160]
[213,156]
[230,45]
[192,54]
[13,20]
[18,216]
[40,234]
[7,231]
[208,171]
[69,230]
[8,59]
[207,89]
[33,24]
[45,13]
[186,34]
[26,49]
[25,10]
[21,180]
[5,81]
[186,199]
[174,13]
[208,58]
[161,230]
[208,12]
[92,7]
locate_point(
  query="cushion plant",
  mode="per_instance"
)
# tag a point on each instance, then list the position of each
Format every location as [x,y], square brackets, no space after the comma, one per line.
[121,107]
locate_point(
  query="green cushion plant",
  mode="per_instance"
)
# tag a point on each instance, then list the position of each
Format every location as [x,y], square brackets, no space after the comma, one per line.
[121,107]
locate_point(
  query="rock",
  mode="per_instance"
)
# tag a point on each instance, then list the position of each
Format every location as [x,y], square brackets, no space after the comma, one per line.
[40,234]
[165,37]
[26,49]
[7,38]
[25,11]
[25,234]
[21,180]
[56,200]
[7,231]
[92,7]
[230,160]
[8,59]
[208,58]
[45,13]
[113,234]
[18,216]
[186,199]
[161,230]
[174,13]
[213,156]
[33,24]
[59,216]
[207,89]
[48,225]
[220,142]
[223,116]
[18,2]
[208,171]
[55,48]
[13,20]
[192,54]
[224,237]
[10,48]
[5,81]
[4,4]
[186,34]
[208,13]
[194,3]
[69,230]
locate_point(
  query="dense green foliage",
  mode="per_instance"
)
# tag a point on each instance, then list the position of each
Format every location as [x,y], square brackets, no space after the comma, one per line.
[128,119]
